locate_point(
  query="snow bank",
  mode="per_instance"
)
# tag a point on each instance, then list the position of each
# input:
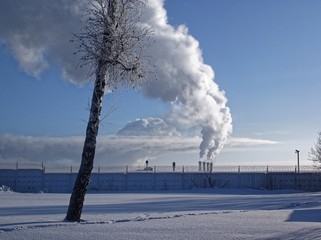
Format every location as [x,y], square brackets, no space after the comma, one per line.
[203,214]
[4,188]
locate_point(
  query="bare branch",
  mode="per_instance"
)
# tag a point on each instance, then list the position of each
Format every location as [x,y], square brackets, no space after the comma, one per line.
[315,152]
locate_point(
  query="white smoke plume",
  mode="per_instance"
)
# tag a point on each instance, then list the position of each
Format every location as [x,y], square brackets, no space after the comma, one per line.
[37,32]
[187,82]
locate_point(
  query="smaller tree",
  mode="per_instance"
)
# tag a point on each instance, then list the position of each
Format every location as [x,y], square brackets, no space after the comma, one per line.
[315,152]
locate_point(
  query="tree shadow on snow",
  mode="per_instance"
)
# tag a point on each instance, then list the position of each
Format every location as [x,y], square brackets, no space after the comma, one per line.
[302,234]
[8,227]
[32,210]
[305,215]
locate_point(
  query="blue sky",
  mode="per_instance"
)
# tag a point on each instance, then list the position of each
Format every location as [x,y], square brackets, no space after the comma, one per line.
[266,58]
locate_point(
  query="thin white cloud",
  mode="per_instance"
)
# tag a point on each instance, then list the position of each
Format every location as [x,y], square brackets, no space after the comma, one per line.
[271,133]
[111,150]
[233,142]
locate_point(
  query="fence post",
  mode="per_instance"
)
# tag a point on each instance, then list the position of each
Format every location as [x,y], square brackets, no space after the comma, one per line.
[98,178]
[183,178]
[70,179]
[126,178]
[238,176]
[43,177]
[15,177]
[154,179]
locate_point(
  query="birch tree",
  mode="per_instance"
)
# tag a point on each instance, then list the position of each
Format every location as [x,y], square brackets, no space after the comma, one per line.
[113,45]
[315,152]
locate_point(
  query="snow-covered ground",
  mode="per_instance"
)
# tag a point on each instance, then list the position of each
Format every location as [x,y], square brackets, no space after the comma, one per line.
[212,214]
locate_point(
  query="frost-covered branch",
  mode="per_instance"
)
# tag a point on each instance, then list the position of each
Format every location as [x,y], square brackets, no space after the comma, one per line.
[315,152]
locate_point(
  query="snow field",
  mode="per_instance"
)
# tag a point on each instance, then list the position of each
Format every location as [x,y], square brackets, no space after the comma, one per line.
[211,214]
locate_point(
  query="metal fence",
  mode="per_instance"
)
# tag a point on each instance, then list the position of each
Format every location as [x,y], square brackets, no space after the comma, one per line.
[200,168]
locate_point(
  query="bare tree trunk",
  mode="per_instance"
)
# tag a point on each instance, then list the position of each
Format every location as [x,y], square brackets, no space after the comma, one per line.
[87,162]
[108,43]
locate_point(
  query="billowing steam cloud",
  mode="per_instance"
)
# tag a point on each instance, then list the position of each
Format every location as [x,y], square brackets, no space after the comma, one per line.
[38,34]
[148,127]
[186,82]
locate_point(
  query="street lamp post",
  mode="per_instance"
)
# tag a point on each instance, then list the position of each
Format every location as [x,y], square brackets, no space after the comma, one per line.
[298,156]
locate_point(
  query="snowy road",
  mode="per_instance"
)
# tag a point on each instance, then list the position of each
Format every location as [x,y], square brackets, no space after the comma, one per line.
[215,214]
